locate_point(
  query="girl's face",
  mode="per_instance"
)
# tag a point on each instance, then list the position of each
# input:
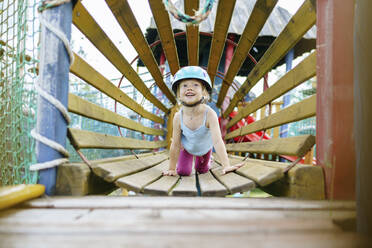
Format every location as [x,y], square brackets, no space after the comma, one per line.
[190,90]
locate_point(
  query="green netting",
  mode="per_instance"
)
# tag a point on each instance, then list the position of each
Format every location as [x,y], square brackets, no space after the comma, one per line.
[19,31]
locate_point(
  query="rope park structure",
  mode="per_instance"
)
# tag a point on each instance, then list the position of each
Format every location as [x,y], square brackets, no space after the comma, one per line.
[62,140]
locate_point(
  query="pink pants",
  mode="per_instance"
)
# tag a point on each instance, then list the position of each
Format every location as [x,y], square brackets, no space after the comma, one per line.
[184,165]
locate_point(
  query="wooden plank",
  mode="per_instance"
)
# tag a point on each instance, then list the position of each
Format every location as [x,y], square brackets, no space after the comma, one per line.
[84,71]
[87,139]
[223,17]
[128,23]
[186,186]
[161,18]
[209,186]
[136,182]
[232,181]
[302,72]
[295,146]
[161,187]
[282,165]
[112,171]
[85,108]
[88,26]
[15,194]
[192,33]
[302,21]
[126,157]
[261,174]
[295,112]
[255,23]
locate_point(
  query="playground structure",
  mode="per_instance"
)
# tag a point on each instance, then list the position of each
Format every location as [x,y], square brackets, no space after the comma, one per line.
[142,172]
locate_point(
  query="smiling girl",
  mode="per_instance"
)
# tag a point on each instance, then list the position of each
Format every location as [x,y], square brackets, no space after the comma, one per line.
[195,127]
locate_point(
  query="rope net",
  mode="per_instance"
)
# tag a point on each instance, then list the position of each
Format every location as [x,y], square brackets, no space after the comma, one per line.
[19,32]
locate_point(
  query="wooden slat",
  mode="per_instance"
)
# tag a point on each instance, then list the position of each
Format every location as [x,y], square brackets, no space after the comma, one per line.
[128,22]
[192,33]
[302,72]
[138,181]
[296,112]
[84,71]
[112,171]
[257,19]
[161,17]
[302,21]
[186,186]
[209,186]
[282,165]
[232,181]
[85,108]
[295,146]
[88,26]
[223,17]
[87,139]
[261,174]
[163,186]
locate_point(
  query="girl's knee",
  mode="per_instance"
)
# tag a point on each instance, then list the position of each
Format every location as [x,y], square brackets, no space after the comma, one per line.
[183,172]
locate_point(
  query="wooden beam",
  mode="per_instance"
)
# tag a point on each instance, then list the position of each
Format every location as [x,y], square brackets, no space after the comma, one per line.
[84,71]
[295,112]
[85,108]
[210,186]
[128,23]
[302,72]
[223,17]
[256,21]
[302,21]
[296,146]
[161,17]
[87,139]
[88,26]
[192,33]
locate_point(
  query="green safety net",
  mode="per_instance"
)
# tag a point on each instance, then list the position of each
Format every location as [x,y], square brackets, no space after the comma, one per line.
[19,32]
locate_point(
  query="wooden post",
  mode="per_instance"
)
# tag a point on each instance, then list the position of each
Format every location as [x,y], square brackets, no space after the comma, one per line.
[363,113]
[53,78]
[334,135]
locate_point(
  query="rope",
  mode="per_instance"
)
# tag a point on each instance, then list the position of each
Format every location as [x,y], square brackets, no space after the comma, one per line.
[199,16]
[51,99]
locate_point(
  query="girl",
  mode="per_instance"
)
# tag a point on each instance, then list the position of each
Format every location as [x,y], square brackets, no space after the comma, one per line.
[195,127]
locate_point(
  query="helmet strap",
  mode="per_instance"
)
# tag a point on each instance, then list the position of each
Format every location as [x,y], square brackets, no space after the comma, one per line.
[193,104]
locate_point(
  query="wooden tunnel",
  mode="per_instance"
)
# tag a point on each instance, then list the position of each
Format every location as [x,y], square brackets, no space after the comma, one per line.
[142,173]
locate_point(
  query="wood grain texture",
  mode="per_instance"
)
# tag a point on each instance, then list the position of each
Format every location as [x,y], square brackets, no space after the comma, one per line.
[161,187]
[192,33]
[209,186]
[186,186]
[260,174]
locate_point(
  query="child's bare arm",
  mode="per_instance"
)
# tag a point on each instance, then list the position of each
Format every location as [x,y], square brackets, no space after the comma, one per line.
[175,147]
[218,143]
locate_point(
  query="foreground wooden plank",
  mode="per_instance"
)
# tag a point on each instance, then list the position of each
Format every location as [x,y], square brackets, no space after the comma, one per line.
[192,33]
[88,26]
[296,146]
[295,112]
[128,23]
[138,181]
[161,187]
[112,171]
[87,139]
[299,24]
[186,186]
[257,19]
[223,17]
[84,71]
[209,186]
[85,108]
[161,18]
[302,72]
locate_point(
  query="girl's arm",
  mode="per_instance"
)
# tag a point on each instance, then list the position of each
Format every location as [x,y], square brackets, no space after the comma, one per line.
[218,143]
[175,146]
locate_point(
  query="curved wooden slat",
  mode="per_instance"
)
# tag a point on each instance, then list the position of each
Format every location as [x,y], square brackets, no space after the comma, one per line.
[209,186]
[87,139]
[163,24]
[294,146]
[163,186]
[223,17]
[257,19]
[299,24]
[192,33]
[296,112]
[85,108]
[302,72]
[84,71]
[128,22]
[88,26]
[186,186]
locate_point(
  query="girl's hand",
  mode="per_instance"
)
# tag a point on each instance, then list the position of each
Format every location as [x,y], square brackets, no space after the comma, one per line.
[231,168]
[170,173]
